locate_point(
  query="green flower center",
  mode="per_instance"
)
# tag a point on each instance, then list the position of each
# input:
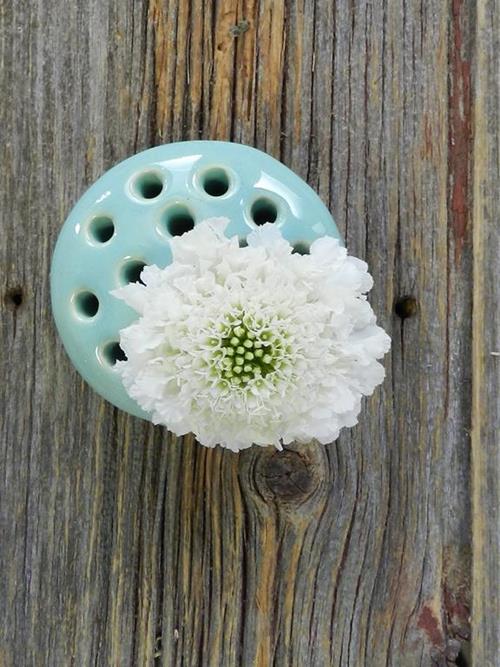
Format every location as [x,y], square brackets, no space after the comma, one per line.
[247,351]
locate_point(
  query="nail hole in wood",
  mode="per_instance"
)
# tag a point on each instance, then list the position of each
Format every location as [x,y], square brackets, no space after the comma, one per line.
[406,306]
[14,297]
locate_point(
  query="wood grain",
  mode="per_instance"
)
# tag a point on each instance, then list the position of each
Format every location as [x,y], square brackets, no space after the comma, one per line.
[123,545]
[486,341]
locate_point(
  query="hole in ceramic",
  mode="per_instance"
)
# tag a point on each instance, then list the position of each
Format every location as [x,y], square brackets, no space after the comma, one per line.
[131,270]
[101,229]
[112,352]
[215,182]
[301,248]
[178,220]
[86,304]
[242,242]
[148,185]
[263,210]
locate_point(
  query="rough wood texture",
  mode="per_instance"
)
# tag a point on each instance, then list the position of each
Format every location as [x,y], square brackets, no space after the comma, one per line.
[122,545]
[486,341]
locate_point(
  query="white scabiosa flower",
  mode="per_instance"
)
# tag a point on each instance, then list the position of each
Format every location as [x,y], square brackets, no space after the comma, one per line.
[252,345]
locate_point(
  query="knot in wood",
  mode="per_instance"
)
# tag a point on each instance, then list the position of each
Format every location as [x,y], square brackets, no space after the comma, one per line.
[287,475]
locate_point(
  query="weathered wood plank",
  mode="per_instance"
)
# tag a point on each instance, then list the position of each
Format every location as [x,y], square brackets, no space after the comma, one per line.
[123,545]
[486,341]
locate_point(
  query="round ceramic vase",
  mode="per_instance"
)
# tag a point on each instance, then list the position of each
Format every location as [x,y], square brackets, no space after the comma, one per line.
[127,218]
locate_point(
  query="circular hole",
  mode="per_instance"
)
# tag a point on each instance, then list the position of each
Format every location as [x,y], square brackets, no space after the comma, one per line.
[243,243]
[148,185]
[14,297]
[178,220]
[301,248]
[112,352]
[131,272]
[101,229]
[263,210]
[86,304]
[215,182]
[406,306]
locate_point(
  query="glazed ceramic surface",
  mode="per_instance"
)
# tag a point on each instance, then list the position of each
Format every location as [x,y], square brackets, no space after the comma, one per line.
[126,219]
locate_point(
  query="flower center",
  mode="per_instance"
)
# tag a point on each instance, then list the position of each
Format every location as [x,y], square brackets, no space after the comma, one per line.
[247,350]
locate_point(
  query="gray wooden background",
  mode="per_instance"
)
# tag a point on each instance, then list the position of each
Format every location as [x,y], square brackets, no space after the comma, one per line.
[122,545]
